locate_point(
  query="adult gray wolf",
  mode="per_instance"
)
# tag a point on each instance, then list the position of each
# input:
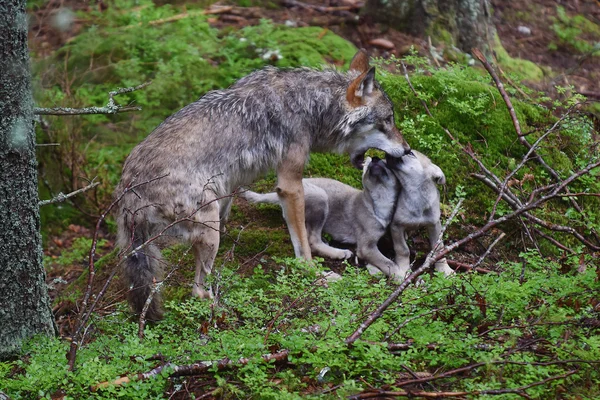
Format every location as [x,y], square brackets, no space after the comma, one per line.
[417,206]
[178,182]
[349,215]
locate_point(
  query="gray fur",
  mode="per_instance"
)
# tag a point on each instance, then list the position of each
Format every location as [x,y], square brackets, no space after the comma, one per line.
[229,138]
[347,214]
[418,206]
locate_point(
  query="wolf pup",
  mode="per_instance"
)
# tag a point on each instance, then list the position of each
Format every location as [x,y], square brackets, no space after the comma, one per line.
[418,205]
[178,182]
[349,215]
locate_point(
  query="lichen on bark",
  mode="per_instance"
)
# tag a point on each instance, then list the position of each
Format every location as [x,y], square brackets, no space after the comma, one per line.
[24,302]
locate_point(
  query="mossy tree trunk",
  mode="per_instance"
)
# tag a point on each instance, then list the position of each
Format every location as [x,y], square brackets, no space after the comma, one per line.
[463,23]
[24,303]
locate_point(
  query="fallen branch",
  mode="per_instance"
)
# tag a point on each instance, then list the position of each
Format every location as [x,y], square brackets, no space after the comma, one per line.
[520,391]
[110,108]
[59,198]
[477,53]
[193,369]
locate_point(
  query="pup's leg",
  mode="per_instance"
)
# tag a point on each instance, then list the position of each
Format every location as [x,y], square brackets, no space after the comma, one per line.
[368,251]
[205,246]
[291,195]
[434,233]
[401,248]
[316,213]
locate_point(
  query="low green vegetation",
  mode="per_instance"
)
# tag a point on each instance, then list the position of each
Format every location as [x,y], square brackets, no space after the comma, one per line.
[445,324]
[533,318]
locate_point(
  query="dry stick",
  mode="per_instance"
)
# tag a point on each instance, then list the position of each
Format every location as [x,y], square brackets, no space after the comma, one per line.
[489,250]
[526,158]
[192,369]
[59,198]
[396,293]
[460,265]
[110,108]
[520,135]
[539,221]
[554,241]
[520,391]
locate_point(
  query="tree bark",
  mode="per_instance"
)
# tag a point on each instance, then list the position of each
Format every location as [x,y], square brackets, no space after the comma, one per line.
[24,302]
[465,24]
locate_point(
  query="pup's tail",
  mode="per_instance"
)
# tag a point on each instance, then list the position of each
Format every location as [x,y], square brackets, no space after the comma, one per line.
[253,197]
[142,270]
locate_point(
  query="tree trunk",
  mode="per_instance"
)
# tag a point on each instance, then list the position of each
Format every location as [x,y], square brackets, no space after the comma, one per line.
[463,23]
[24,303]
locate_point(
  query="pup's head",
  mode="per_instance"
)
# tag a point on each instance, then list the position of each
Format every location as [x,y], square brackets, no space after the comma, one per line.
[378,179]
[414,168]
[369,122]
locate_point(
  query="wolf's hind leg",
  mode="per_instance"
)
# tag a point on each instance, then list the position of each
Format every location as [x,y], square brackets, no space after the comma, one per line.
[316,212]
[205,244]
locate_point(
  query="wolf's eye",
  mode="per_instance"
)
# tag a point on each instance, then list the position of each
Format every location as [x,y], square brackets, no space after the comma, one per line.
[390,119]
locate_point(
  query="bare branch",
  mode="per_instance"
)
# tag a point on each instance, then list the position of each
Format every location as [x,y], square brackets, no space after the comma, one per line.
[110,108]
[59,198]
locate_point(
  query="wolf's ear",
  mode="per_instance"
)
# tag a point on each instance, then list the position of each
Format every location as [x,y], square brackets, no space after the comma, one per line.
[360,62]
[361,88]
[437,175]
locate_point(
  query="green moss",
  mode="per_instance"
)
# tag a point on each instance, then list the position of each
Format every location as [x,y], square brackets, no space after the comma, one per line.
[525,69]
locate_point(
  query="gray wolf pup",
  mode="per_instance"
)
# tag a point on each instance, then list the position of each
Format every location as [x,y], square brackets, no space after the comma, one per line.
[270,119]
[418,206]
[347,214]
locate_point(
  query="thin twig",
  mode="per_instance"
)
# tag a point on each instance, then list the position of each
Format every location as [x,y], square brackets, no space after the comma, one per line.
[110,108]
[59,198]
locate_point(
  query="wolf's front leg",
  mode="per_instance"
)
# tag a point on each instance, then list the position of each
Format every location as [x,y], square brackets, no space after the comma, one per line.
[401,248]
[434,234]
[291,195]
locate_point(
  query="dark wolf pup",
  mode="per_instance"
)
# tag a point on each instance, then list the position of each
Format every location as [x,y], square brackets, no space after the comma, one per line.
[184,172]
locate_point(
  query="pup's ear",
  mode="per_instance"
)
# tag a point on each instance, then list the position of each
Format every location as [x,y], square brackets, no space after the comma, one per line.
[360,62]
[361,88]
[437,175]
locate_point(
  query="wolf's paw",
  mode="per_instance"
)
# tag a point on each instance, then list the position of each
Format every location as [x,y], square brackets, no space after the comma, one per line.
[373,270]
[442,266]
[197,291]
[347,254]
[327,277]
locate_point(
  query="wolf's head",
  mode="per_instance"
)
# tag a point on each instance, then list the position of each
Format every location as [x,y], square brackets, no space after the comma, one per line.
[369,122]
[415,169]
[379,181]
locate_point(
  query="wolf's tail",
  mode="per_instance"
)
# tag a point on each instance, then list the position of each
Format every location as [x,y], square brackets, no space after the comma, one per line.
[253,197]
[142,270]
